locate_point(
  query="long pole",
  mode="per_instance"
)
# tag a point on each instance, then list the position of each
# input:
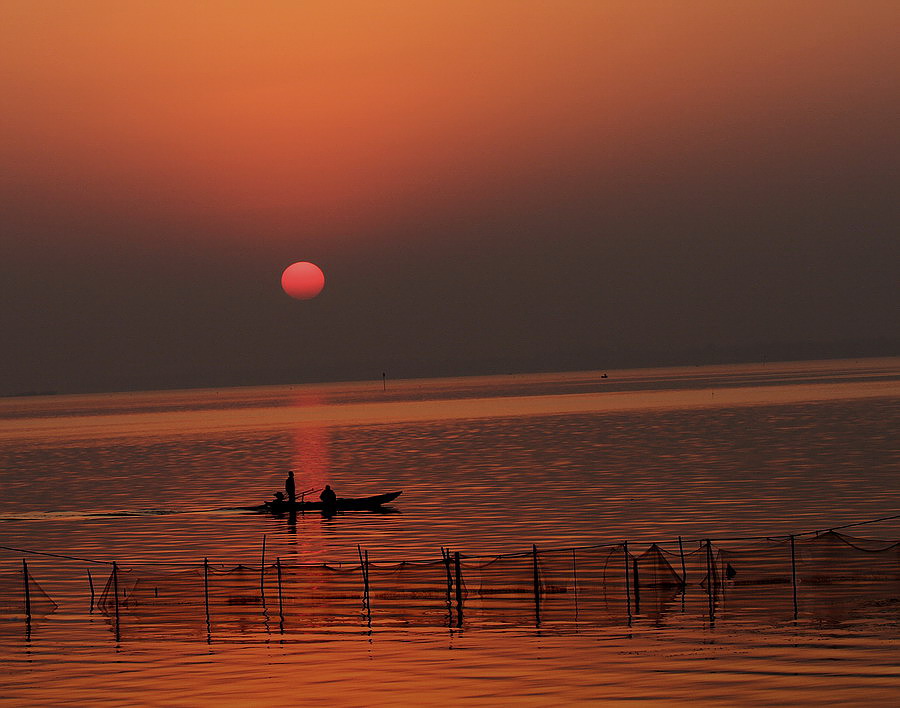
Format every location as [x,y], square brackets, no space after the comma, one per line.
[459,592]
[637,586]
[115,575]
[683,566]
[575,582]
[262,572]
[364,568]
[537,584]
[91,584]
[794,575]
[627,581]
[206,591]
[445,554]
[710,581]
[280,597]
[27,591]
[368,589]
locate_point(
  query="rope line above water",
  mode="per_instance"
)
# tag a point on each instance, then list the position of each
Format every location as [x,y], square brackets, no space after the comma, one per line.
[523,554]
[56,555]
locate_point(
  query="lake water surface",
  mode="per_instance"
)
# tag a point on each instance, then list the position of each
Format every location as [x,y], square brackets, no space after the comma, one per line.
[487,466]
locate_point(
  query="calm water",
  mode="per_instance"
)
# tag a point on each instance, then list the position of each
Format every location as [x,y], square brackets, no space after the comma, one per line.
[486,465]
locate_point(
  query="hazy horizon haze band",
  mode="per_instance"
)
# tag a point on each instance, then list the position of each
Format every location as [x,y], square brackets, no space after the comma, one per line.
[81,416]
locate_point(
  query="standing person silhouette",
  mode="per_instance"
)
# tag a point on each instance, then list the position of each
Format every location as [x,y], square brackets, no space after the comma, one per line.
[290,487]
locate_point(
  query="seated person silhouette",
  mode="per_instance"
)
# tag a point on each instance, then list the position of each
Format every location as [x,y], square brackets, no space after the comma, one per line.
[328,497]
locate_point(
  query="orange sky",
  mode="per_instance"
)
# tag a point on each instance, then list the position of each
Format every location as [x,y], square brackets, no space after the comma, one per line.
[338,113]
[488,185]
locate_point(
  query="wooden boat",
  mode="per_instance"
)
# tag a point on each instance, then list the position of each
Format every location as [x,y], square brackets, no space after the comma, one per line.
[373,503]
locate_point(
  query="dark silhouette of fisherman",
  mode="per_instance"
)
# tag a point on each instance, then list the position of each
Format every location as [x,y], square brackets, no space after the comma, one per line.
[328,497]
[290,487]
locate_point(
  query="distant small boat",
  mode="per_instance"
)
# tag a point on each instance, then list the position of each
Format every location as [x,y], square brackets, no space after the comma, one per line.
[341,504]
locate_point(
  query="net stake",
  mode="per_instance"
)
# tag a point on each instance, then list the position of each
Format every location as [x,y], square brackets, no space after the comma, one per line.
[575,582]
[280,597]
[459,592]
[794,576]
[637,586]
[364,568]
[206,593]
[627,582]
[91,584]
[445,554]
[27,591]
[537,584]
[368,593]
[262,572]
[710,582]
[116,595]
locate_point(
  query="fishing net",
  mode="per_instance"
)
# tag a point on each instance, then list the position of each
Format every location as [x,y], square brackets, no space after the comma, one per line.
[499,590]
[222,599]
[833,557]
[21,598]
[828,577]
[411,592]
[20,594]
[169,602]
[822,577]
[603,585]
[318,595]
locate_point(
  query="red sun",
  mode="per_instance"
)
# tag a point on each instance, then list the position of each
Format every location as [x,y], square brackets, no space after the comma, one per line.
[303,280]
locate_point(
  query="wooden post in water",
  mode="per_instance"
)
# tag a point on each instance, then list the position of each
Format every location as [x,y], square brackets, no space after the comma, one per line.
[710,581]
[115,577]
[637,587]
[368,588]
[459,591]
[575,582]
[206,591]
[91,584]
[627,581]
[262,572]
[445,554]
[794,575]
[364,568]
[280,596]
[537,584]
[683,566]
[27,591]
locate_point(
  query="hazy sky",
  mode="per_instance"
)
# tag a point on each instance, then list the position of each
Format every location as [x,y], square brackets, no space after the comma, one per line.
[487,185]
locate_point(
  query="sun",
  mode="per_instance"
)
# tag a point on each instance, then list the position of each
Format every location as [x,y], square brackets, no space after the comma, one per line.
[303,280]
